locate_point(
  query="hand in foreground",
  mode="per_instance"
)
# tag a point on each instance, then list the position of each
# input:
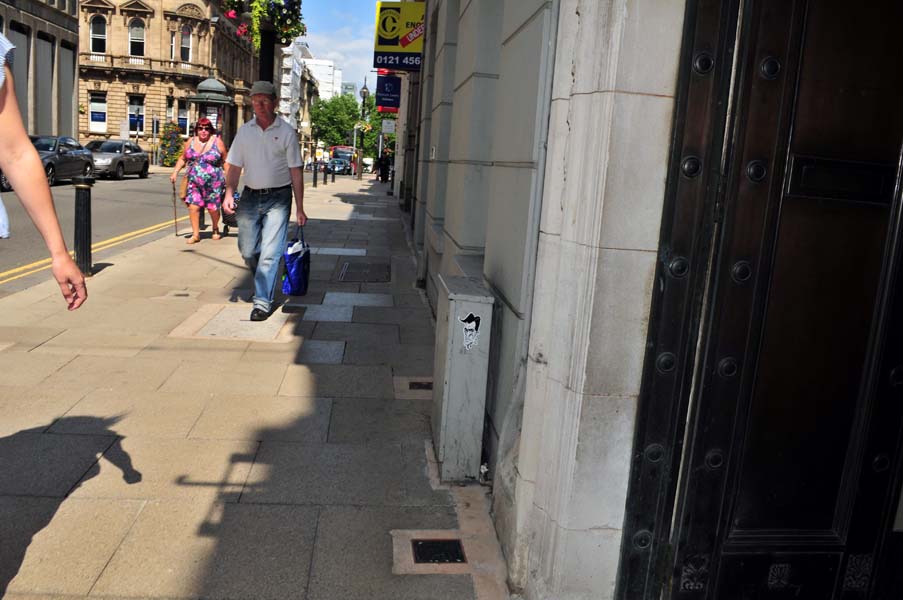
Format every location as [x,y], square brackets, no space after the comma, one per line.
[71,280]
[173,177]
[302,218]
[229,205]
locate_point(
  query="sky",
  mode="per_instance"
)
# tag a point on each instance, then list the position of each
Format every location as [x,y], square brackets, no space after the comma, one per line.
[343,32]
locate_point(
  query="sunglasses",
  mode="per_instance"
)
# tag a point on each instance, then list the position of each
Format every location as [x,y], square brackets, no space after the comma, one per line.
[205,128]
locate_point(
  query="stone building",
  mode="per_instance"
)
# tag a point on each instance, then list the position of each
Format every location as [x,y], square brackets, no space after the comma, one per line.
[45,33]
[686,214]
[142,60]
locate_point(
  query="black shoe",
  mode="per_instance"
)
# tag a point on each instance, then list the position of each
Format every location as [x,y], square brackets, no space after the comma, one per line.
[258,314]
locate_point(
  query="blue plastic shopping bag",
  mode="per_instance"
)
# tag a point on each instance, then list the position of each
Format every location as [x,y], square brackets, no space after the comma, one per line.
[297,267]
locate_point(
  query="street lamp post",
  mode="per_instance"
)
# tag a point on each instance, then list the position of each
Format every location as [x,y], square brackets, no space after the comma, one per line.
[360,155]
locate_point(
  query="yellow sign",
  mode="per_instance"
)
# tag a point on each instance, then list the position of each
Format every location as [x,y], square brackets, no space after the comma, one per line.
[399,35]
[319,153]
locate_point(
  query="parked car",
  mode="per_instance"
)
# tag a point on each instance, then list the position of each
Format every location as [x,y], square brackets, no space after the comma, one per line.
[63,157]
[339,166]
[117,158]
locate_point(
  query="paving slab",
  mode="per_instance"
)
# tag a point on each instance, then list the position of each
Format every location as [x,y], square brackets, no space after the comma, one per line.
[259,418]
[148,414]
[423,490]
[356,421]
[96,342]
[26,338]
[195,550]
[407,360]
[340,314]
[337,381]
[234,323]
[357,540]
[244,377]
[343,299]
[87,373]
[60,547]
[176,469]
[331,474]
[27,368]
[417,316]
[41,464]
[375,333]
[213,352]
[124,315]
[30,408]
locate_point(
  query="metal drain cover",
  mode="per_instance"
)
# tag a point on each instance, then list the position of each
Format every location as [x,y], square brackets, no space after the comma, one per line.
[420,385]
[364,272]
[438,551]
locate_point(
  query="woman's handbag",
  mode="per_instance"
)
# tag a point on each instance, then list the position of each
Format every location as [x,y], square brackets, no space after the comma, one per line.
[297,267]
[183,186]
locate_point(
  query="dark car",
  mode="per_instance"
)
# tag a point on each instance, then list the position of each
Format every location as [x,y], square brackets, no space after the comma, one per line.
[63,157]
[339,165]
[117,158]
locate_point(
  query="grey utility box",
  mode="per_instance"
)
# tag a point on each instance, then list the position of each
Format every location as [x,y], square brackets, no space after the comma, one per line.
[463,325]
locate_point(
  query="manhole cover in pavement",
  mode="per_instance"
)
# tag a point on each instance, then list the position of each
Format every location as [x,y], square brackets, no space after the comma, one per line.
[363,272]
[438,551]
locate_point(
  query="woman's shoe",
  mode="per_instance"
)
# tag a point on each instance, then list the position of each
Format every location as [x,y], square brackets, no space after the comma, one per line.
[215,235]
[193,240]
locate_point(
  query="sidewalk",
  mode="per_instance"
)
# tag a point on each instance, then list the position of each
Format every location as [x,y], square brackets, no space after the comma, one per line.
[158,444]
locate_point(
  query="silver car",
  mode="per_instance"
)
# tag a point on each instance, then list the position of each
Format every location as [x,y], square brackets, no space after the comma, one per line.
[117,158]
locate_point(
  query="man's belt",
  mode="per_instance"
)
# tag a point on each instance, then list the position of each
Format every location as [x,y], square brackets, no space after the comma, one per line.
[265,191]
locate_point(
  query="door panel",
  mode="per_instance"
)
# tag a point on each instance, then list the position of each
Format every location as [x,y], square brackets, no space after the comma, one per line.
[792,468]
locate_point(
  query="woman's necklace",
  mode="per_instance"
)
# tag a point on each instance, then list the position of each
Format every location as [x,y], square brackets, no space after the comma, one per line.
[204,147]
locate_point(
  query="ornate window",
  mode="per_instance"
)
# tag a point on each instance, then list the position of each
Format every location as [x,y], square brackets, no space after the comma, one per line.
[98,35]
[136,37]
[185,45]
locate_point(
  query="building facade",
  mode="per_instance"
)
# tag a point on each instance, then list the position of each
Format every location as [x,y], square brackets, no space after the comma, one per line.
[328,76]
[141,60]
[298,90]
[45,33]
[650,192]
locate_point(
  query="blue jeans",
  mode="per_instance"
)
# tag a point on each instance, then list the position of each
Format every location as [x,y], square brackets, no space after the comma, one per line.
[262,229]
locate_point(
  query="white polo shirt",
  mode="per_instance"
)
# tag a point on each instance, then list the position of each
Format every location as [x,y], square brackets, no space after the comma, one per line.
[265,155]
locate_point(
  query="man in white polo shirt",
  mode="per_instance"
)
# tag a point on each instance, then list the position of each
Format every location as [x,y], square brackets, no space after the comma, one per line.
[266,148]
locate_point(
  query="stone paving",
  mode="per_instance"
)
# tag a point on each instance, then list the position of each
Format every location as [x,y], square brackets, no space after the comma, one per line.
[158,444]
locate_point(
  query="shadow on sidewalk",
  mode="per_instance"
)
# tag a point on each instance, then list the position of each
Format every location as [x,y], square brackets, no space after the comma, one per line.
[32,457]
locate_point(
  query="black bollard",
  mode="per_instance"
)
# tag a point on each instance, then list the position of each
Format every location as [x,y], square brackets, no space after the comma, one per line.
[333,175]
[83,223]
[324,175]
[316,166]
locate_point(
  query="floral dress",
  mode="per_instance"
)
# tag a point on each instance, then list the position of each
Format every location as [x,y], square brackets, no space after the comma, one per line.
[206,180]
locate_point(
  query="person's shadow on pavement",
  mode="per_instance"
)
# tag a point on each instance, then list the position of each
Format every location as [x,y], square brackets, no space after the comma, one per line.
[38,470]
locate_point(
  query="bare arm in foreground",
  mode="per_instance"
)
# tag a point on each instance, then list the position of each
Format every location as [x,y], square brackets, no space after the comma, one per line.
[20,161]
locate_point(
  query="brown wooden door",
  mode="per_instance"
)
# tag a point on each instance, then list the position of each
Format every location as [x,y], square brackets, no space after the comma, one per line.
[791,470]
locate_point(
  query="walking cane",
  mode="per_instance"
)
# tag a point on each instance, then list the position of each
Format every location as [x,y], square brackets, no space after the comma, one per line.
[175,214]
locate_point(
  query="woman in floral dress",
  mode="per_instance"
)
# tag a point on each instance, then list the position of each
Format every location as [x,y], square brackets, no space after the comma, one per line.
[205,155]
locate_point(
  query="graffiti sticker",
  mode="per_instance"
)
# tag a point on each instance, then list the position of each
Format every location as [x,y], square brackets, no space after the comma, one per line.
[471,330]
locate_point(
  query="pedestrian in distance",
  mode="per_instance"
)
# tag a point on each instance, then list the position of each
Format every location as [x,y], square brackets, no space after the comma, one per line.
[23,168]
[204,154]
[266,149]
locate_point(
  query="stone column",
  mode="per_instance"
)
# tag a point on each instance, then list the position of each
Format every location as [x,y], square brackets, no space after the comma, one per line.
[610,128]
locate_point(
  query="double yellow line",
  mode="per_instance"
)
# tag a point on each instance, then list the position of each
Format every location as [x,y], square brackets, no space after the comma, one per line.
[41,265]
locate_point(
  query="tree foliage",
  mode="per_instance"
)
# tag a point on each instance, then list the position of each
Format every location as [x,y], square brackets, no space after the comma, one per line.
[333,120]
[333,123]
